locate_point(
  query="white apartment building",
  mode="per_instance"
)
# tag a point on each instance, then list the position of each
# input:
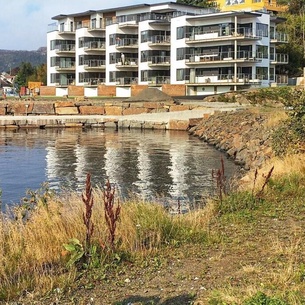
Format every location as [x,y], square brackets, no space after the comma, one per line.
[205,50]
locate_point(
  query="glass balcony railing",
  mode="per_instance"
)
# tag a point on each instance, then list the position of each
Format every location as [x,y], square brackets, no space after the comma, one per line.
[160,39]
[65,48]
[129,61]
[279,58]
[125,42]
[240,78]
[95,63]
[96,45]
[159,60]
[93,81]
[127,81]
[159,80]
[224,56]
[279,37]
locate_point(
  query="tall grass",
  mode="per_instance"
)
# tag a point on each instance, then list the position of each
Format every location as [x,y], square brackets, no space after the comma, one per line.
[32,256]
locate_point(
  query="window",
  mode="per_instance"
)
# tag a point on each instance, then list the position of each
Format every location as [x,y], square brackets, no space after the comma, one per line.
[144,36]
[262,29]
[182,74]
[112,76]
[181,53]
[180,32]
[262,73]
[262,52]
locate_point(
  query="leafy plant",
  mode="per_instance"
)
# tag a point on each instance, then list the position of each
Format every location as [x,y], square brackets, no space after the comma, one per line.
[76,250]
[262,299]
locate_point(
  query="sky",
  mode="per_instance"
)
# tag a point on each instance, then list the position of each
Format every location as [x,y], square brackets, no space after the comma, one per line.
[24,23]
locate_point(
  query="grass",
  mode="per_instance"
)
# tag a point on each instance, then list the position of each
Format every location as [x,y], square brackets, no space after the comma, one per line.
[260,241]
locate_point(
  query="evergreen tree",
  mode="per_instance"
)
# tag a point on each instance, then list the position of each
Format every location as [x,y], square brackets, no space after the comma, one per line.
[22,77]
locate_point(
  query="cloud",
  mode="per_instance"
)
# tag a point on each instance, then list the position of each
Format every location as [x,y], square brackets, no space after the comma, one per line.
[24,23]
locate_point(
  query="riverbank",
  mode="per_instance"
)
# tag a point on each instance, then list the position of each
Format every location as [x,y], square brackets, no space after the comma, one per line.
[245,136]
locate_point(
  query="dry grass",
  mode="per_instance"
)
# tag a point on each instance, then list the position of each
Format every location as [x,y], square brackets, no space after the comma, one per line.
[32,257]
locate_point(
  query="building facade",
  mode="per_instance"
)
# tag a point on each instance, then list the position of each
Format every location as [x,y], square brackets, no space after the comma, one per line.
[206,50]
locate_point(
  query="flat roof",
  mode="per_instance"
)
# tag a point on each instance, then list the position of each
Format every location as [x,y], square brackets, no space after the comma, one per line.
[122,8]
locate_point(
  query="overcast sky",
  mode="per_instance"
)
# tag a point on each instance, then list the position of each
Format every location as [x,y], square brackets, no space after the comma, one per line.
[24,23]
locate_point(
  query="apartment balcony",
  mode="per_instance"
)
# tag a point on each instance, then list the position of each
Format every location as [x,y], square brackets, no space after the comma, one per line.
[132,24]
[279,38]
[128,63]
[93,82]
[95,46]
[160,40]
[65,49]
[126,81]
[66,29]
[210,36]
[158,80]
[281,79]
[223,58]
[98,27]
[224,80]
[159,61]
[279,59]
[67,66]
[66,83]
[127,43]
[95,65]
[271,5]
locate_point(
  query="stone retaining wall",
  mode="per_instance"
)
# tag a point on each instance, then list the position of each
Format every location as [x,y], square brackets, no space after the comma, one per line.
[241,134]
[81,105]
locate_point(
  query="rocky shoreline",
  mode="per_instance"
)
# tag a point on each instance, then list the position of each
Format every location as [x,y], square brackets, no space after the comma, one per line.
[242,135]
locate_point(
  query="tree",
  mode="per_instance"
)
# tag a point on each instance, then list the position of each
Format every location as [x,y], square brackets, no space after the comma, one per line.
[22,77]
[29,73]
[203,3]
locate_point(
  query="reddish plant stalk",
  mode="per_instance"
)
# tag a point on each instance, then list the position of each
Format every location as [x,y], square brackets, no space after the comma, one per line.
[87,198]
[112,213]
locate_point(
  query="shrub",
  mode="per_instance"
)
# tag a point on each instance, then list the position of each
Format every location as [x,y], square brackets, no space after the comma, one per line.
[262,299]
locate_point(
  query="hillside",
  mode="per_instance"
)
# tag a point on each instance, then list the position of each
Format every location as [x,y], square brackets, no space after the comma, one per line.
[10,59]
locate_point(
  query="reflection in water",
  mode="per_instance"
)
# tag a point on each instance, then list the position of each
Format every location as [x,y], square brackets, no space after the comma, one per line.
[147,163]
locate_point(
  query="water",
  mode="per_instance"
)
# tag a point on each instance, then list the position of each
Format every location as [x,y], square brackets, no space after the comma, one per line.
[147,163]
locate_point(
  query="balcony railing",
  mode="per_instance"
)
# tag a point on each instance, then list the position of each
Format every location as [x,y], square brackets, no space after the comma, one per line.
[159,80]
[159,60]
[241,32]
[241,79]
[279,58]
[279,37]
[65,48]
[127,62]
[95,63]
[225,56]
[160,39]
[68,82]
[93,81]
[95,45]
[126,42]
[65,65]
[127,81]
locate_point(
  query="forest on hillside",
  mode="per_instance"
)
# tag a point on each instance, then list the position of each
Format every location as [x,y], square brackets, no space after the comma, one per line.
[11,59]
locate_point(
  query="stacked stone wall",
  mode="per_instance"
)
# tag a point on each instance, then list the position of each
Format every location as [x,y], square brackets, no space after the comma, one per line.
[242,135]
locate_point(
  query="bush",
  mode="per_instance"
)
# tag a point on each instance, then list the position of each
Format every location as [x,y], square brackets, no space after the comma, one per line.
[262,299]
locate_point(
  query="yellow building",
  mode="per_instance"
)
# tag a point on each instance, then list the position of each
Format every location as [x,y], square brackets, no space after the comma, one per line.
[254,5]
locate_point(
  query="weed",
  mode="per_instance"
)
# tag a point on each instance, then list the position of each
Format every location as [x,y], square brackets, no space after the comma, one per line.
[262,299]
[112,212]
[219,176]
[87,198]
[76,250]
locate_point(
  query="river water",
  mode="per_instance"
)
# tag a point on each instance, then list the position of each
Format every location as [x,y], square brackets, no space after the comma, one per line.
[148,163]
